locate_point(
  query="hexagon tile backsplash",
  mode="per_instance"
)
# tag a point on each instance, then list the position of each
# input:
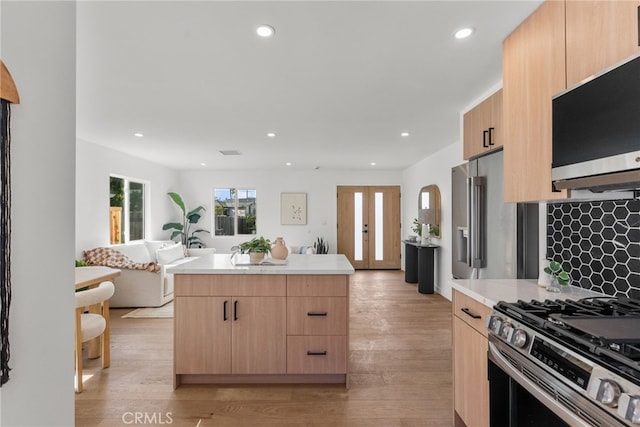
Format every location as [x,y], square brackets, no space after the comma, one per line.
[598,243]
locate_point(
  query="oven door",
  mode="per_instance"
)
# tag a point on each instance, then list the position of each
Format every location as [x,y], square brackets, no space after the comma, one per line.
[523,394]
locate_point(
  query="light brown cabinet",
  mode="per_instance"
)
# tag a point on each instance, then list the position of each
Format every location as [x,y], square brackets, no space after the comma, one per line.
[266,328]
[470,344]
[239,332]
[482,127]
[317,324]
[600,34]
[533,70]
[557,46]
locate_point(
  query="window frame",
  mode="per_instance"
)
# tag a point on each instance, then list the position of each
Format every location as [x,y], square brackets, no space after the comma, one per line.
[126,205]
[236,208]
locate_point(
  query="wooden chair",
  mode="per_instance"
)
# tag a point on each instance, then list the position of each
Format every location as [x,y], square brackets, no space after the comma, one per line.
[92,324]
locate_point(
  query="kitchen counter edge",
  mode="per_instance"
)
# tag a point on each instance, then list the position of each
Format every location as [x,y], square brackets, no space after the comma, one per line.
[490,291]
[328,264]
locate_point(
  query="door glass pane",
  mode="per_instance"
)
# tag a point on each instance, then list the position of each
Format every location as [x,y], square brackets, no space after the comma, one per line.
[379,225]
[136,211]
[357,226]
[225,211]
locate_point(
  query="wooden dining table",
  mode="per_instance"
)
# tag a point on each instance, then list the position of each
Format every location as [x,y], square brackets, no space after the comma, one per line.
[91,276]
[94,275]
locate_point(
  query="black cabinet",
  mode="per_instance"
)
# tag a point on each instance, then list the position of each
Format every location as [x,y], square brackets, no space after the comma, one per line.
[419,266]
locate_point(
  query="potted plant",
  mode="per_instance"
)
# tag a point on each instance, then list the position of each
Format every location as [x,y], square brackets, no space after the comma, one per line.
[256,248]
[434,231]
[417,227]
[321,246]
[559,277]
[187,237]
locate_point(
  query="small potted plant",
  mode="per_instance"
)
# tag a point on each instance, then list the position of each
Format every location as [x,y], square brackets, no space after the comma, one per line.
[559,277]
[417,227]
[257,248]
[321,246]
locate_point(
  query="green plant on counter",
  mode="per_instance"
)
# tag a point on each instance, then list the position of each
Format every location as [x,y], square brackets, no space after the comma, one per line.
[321,246]
[82,263]
[257,244]
[434,230]
[556,272]
[417,227]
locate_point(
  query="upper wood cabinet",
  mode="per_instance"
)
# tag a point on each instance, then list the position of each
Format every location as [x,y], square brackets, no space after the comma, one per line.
[533,70]
[556,47]
[599,34]
[482,127]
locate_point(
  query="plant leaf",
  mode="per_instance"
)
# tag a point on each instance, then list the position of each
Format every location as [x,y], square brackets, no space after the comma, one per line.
[564,278]
[170,225]
[547,270]
[176,234]
[178,201]
[195,211]
[555,266]
[193,218]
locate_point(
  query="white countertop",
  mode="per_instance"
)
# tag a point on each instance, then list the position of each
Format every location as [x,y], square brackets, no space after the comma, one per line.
[296,264]
[490,291]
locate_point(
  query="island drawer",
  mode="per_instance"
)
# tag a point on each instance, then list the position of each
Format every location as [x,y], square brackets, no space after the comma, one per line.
[317,285]
[229,285]
[317,355]
[317,316]
[471,311]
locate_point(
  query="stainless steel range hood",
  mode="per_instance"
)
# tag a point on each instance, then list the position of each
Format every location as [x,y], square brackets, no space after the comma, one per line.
[597,175]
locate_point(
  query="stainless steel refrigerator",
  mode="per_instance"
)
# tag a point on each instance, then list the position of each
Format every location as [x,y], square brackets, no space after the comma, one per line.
[491,239]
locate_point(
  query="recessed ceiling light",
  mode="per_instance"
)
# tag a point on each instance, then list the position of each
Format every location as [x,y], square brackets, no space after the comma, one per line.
[265,31]
[271,135]
[139,135]
[373,163]
[288,163]
[463,33]
[405,134]
[203,164]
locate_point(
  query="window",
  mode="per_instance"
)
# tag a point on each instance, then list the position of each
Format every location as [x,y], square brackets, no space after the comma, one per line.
[235,211]
[126,210]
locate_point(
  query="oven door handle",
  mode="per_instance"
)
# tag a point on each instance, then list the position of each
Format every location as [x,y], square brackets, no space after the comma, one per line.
[553,405]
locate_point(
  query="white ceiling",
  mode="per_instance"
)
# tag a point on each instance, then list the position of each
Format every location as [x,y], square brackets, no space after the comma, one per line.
[338,83]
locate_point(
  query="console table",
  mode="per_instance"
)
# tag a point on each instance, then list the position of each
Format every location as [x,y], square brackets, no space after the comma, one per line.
[419,265]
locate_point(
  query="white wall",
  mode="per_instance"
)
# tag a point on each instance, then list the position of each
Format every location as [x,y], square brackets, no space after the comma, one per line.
[320,185]
[38,47]
[435,169]
[94,165]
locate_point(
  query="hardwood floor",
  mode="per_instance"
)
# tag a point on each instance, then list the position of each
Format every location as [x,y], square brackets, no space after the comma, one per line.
[400,372]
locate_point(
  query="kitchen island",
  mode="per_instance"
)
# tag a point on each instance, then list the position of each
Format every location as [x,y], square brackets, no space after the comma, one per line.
[279,323]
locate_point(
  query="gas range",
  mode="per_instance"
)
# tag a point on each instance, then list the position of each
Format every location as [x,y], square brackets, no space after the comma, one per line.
[584,354]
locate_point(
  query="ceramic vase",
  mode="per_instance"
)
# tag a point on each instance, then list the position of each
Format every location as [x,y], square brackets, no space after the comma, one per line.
[279,249]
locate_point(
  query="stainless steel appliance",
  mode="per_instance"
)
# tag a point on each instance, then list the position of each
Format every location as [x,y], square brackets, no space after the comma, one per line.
[596,131]
[565,363]
[491,239]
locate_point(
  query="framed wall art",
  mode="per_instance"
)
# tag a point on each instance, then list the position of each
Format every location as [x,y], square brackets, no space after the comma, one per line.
[293,208]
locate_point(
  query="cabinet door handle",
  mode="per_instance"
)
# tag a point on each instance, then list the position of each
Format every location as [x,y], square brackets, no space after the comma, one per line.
[317,313]
[224,310]
[235,310]
[638,25]
[468,313]
[491,136]
[316,353]
[484,138]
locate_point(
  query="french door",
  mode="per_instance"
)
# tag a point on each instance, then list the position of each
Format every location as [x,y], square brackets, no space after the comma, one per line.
[369,226]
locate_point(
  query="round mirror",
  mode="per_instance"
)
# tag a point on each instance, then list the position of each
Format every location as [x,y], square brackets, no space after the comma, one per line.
[429,209]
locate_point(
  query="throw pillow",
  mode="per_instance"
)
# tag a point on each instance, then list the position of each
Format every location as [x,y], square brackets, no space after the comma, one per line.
[169,254]
[153,245]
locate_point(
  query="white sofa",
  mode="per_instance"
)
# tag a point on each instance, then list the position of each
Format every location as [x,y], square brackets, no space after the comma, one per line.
[141,288]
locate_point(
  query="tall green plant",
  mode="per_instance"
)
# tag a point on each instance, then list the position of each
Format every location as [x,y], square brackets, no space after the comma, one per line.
[183,230]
